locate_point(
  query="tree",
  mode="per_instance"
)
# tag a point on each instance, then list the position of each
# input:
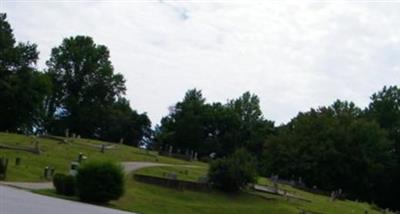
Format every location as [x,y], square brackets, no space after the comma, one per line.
[183,127]
[332,147]
[123,122]
[385,110]
[22,87]
[254,129]
[85,86]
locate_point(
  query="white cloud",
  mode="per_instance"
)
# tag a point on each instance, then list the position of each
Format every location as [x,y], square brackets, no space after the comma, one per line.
[294,56]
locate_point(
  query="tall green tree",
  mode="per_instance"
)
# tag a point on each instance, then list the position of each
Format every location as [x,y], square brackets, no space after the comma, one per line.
[22,87]
[254,128]
[85,86]
[183,127]
[385,110]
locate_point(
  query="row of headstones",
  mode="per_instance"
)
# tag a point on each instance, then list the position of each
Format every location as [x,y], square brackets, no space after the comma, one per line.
[189,153]
[336,194]
[75,136]
[4,166]
[299,182]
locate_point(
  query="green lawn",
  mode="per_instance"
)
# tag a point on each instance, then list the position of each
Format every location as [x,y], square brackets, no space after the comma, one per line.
[60,155]
[148,199]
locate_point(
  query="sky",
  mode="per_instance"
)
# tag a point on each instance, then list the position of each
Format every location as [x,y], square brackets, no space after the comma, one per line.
[294,55]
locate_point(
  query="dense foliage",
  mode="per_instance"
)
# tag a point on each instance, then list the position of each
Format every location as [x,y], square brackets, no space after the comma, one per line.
[214,128]
[232,173]
[100,182]
[22,87]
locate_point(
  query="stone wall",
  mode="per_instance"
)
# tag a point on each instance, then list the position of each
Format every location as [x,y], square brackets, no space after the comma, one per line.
[172,183]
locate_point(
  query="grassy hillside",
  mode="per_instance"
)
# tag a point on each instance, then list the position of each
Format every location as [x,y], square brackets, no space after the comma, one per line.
[151,199]
[144,198]
[59,155]
[148,199]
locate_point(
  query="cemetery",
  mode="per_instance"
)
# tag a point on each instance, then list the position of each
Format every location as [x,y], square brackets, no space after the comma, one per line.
[178,188]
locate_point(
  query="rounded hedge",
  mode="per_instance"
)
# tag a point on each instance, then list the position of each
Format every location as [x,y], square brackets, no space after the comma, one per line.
[232,173]
[100,182]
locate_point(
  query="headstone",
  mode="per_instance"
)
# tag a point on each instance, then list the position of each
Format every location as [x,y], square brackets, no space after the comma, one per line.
[191,155]
[17,161]
[3,168]
[73,168]
[46,172]
[37,146]
[121,141]
[195,156]
[275,188]
[203,179]
[213,155]
[66,133]
[52,170]
[102,148]
[171,175]
[80,157]
[333,196]
[178,151]
[170,151]
[73,135]
[79,137]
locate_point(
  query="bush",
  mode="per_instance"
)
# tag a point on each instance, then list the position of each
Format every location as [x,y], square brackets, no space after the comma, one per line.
[64,184]
[233,173]
[100,182]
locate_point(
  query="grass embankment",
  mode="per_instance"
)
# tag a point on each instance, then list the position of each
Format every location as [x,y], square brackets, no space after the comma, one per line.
[148,199]
[144,198]
[59,155]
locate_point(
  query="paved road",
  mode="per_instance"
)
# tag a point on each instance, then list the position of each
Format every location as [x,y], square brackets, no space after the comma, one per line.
[128,167]
[15,201]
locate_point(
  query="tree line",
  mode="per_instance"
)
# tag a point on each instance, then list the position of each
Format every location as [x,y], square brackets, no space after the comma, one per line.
[78,91]
[340,146]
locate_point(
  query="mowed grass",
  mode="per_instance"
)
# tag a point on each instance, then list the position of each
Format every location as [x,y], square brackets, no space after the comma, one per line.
[186,173]
[151,199]
[145,198]
[59,156]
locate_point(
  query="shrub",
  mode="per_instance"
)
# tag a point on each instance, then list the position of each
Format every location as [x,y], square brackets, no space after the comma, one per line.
[100,182]
[232,173]
[64,184]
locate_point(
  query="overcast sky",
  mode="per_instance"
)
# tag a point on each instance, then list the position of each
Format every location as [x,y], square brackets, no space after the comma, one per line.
[293,56]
